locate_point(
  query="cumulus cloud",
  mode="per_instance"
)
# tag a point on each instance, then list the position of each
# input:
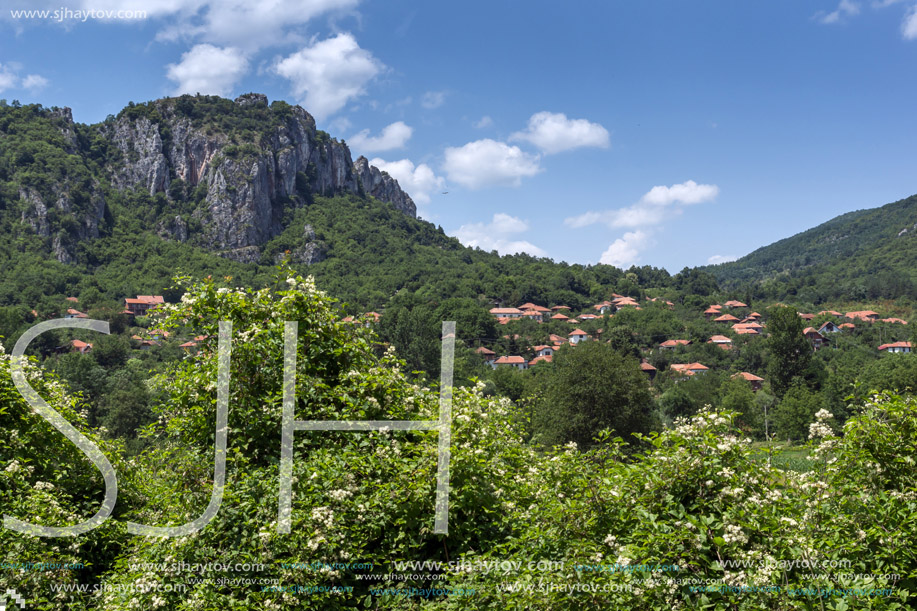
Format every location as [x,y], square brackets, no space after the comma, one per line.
[208,70]
[656,205]
[329,73]
[625,251]
[10,79]
[488,163]
[419,182]
[909,27]
[685,193]
[433,99]
[845,8]
[498,235]
[393,136]
[715,259]
[554,133]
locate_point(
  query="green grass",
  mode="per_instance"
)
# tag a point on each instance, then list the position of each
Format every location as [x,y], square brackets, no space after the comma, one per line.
[785,457]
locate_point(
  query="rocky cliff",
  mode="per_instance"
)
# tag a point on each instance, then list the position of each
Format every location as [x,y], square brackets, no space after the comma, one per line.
[250,177]
[232,168]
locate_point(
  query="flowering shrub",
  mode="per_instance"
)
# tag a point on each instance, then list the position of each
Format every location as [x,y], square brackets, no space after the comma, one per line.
[695,520]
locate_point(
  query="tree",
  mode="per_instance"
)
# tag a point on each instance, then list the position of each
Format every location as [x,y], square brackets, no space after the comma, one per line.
[790,352]
[590,388]
[795,413]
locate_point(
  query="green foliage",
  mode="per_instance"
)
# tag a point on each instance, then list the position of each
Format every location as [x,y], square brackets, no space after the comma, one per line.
[860,255]
[788,349]
[589,388]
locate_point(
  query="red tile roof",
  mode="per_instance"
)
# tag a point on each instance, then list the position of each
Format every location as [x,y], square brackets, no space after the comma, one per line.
[735,304]
[748,376]
[510,360]
[672,343]
[577,332]
[895,345]
[726,318]
[898,321]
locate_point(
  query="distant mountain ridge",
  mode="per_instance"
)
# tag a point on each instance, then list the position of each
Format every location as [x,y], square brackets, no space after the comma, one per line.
[865,253]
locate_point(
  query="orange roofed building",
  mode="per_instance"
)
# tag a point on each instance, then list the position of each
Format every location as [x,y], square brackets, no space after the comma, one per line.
[142,304]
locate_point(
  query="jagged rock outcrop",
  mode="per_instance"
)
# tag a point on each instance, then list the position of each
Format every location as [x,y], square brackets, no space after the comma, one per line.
[383,187]
[248,183]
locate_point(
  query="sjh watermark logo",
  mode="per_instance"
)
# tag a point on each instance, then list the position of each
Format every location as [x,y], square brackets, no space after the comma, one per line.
[14,598]
[289,426]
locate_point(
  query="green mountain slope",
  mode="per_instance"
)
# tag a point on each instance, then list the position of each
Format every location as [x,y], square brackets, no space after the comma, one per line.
[865,254]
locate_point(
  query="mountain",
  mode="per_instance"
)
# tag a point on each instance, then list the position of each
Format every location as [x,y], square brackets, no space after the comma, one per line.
[865,254]
[230,169]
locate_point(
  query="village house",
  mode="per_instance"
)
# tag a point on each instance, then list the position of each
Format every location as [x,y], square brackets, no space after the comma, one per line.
[560,316]
[867,315]
[489,355]
[829,327]
[533,315]
[846,325]
[895,321]
[815,338]
[79,346]
[648,369]
[904,347]
[721,340]
[830,313]
[512,361]
[734,304]
[752,379]
[501,313]
[71,313]
[577,335]
[544,350]
[671,344]
[688,369]
[726,318]
[540,359]
[142,304]
[712,311]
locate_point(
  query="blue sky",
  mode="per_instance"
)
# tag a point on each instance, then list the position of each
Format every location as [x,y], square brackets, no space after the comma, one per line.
[667,133]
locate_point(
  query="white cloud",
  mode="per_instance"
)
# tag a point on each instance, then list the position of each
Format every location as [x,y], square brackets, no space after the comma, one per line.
[419,182]
[656,205]
[497,235]
[237,23]
[685,193]
[34,82]
[393,136]
[329,73]
[10,79]
[715,259]
[207,69]
[624,251]
[488,163]
[433,99]
[909,27]
[845,8]
[554,132]
[483,122]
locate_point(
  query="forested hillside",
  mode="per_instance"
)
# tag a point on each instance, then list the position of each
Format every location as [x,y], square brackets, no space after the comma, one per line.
[866,254]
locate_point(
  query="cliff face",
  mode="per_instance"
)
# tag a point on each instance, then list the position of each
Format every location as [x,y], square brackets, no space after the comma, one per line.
[234,168]
[248,183]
